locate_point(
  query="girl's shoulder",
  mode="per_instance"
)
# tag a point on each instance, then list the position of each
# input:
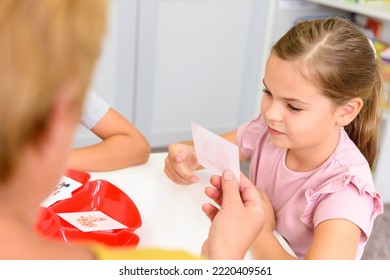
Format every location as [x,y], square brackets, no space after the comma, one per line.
[345,169]
[347,150]
[348,157]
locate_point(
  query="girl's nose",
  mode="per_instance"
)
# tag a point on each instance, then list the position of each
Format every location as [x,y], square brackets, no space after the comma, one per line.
[273,111]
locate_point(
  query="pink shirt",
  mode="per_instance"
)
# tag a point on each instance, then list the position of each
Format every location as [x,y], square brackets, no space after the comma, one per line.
[342,187]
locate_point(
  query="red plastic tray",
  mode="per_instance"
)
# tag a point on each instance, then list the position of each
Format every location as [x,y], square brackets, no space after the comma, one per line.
[79,176]
[93,195]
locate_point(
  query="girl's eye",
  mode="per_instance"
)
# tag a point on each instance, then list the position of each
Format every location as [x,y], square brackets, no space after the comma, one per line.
[266,91]
[295,109]
[292,108]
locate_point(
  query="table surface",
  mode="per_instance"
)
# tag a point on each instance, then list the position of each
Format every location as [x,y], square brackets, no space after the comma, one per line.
[171,214]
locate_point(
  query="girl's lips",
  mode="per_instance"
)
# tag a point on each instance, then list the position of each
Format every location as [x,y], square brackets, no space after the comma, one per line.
[273,131]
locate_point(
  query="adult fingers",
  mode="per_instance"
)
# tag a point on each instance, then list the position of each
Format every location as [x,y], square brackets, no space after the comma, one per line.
[216,181]
[210,210]
[230,189]
[214,194]
[249,193]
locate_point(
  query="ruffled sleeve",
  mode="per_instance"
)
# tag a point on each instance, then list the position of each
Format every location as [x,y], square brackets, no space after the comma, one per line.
[344,196]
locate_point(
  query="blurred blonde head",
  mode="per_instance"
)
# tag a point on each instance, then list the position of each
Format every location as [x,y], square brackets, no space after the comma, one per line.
[43,45]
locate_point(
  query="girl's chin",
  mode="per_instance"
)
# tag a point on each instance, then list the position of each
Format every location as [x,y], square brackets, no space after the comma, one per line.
[279,142]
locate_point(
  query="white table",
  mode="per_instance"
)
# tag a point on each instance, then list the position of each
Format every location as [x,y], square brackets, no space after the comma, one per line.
[171,214]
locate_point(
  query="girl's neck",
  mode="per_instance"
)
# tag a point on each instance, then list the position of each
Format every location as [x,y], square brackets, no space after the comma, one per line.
[308,159]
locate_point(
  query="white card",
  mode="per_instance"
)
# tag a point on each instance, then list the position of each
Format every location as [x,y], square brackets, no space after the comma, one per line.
[91,221]
[63,190]
[214,152]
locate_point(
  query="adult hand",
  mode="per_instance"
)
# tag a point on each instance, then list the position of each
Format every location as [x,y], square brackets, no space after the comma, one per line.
[237,219]
[270,222]
[181,163]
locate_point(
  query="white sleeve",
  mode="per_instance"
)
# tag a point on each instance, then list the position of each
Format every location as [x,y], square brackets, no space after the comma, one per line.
[94,109]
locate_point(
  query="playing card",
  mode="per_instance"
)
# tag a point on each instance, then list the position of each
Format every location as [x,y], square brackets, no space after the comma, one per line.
[63,190]
[214,152]
[91,221]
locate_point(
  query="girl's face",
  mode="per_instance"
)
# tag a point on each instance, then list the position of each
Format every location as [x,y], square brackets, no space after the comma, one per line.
[298,116]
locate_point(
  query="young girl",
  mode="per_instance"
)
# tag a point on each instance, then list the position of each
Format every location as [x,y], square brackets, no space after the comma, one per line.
[42,88]
[314,144]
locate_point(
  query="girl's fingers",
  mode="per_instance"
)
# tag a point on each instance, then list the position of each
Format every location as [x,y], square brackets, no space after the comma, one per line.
[178,174]
[175,177]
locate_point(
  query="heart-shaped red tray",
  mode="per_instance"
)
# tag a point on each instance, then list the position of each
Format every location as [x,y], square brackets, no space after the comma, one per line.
[93,195]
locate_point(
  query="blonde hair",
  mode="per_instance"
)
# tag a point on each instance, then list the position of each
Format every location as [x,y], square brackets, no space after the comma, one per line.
[42,44]
[340,60]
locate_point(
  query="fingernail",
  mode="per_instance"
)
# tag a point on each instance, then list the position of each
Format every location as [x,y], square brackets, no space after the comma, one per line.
[228,175]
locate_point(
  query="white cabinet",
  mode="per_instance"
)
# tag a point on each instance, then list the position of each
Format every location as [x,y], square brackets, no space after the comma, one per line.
[167,62]
[197,60]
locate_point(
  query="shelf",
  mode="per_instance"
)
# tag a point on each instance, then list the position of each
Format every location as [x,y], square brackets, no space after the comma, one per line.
[379,10]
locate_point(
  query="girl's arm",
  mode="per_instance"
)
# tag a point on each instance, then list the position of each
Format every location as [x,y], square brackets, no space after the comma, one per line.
[122,145]
[335,239]
[267,246]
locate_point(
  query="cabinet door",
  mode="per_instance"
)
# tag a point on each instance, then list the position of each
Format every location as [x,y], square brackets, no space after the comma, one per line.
[200,61]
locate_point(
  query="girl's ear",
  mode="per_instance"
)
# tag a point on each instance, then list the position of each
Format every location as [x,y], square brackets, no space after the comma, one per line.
[348,111]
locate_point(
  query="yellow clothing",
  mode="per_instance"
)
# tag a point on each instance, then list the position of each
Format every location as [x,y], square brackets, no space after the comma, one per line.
[108,253]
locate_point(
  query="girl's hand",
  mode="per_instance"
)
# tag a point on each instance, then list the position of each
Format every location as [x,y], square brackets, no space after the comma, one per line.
[181,163]
[236,221]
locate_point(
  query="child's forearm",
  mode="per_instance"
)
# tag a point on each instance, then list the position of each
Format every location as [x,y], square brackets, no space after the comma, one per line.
[115,152]
[268,247]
